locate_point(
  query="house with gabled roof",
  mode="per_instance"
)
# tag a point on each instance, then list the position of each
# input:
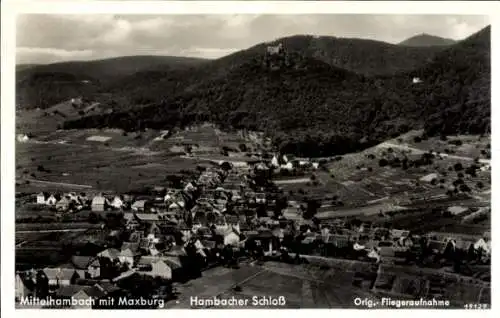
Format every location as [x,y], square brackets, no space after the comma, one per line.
[84,296]
[51,200]
[99,203]
[128,256]
[60,276]
[94,268]
[158,268]
[42,197]
[117,203]
[139,206]
[111,253]
[80,264]
[25,285]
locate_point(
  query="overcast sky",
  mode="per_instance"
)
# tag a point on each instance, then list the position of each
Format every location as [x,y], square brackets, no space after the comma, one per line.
[54,38]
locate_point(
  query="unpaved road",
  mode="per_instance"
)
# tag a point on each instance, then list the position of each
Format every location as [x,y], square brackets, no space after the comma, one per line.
[83,186]
[420,151]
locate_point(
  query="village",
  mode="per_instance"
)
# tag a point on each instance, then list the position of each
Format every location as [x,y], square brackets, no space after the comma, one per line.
[232,214]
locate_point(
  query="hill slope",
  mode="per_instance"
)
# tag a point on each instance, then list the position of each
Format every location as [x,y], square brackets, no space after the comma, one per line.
[426,40]
[310,107]
[366,57]
[45,85]
[349,54]
[124,76]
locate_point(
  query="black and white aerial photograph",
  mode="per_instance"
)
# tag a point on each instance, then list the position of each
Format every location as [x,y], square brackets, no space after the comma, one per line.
[252,161]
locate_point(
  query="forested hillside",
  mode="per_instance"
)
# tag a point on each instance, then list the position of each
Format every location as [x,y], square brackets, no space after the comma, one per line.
[426,40]
[45,85]
[309,105]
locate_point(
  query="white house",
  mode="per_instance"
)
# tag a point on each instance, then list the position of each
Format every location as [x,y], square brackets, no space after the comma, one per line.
[176,205]
[481,244]
[22,138]
[189,187]
[40,198]
[167,198]
[51,200]
[231,238]
[139,205]
[117,202]
[288,166]
[158,268]
[127,256]
[98,203]
[274,162]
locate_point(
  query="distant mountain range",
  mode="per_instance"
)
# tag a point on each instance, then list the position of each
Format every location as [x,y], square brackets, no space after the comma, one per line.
[426,40]
[324,95]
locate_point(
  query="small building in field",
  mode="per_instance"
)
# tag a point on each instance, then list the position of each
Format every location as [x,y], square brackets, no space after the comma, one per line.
[42,197]
[117,203]
[98,203]
[51,201]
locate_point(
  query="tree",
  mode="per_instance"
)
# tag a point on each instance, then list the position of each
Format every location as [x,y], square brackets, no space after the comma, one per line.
[174,180]
[226,166]
[243,147]
[281,204]
[311,209]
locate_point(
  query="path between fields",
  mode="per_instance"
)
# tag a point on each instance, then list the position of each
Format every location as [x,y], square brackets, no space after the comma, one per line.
[292,181]
[52,231]
[141,150]
[420,151]
[84,186]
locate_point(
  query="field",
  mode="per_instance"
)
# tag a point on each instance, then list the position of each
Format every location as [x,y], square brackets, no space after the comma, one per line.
[53,167]
[469,146]
[94,160]
[40,245]
[359,180]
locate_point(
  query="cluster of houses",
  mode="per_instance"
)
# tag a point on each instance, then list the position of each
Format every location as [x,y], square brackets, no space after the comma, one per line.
[156,234]
[212,220]
[395,246]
